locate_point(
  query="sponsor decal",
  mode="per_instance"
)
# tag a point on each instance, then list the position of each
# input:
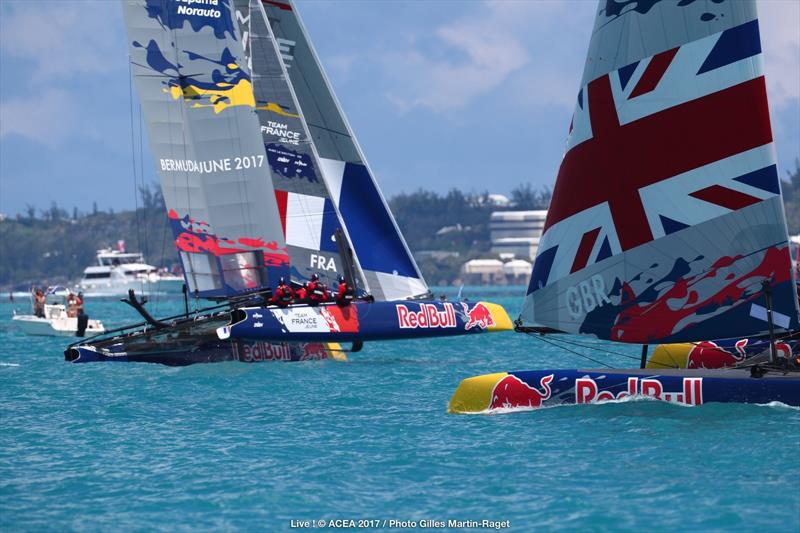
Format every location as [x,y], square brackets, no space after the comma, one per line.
[479,315]
[512,392]
[323,319]
[428,316]
[587,391]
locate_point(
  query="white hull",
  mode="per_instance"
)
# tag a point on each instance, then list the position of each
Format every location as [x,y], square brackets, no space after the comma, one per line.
[171,286]
[58,327]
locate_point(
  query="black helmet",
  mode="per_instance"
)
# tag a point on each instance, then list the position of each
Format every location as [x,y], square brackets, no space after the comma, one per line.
[282,281]
[341,278]
[314,277]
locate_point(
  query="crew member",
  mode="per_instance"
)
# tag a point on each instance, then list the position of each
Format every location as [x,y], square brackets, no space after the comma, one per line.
[317,291]
[345,293]
[283,294]
[301,293]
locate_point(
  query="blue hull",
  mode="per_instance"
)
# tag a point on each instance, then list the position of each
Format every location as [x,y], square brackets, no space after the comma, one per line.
[544,388]
[365,321]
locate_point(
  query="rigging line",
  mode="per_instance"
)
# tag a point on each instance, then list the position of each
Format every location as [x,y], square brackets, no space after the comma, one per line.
[589,346]
[541,338]
[133,160]
[141,175]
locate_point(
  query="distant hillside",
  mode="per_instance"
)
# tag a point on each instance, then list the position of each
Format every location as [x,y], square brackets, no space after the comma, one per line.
[53,246]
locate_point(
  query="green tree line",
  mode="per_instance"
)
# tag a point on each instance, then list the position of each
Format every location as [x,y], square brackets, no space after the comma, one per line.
[53,245]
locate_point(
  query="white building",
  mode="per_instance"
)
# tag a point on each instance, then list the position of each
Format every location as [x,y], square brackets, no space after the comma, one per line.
[517,271]
[516,232]
[483,272]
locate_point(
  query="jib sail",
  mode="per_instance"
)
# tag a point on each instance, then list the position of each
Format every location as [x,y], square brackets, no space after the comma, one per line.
[381,252]
[666,216]
[197,99]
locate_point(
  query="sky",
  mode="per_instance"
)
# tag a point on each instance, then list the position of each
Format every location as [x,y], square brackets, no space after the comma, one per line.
[475,95]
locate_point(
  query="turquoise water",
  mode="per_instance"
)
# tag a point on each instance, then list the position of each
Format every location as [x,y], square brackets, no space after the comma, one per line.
[237,446]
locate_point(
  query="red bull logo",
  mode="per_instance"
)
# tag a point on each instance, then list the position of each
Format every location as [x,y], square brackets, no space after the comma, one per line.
[512,392]
[314,351]
[479,315]
[256,352]
[428,316]
[587,391]
[709,354]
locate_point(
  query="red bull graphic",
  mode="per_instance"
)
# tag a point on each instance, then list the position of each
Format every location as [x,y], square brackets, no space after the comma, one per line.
[709,354]
[587,391]
[479,315]
[262,351]
[679,300]
[428,316]
[511,392]
[195,237]
[341,319]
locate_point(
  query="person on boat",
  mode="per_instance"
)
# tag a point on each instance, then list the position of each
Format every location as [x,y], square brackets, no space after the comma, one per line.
[317,291]
[283,295]
[38,303]
[72,306]
[301,293]
[79,304]
[345,293]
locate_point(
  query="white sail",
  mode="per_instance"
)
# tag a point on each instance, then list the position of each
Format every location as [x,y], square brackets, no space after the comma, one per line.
[198,103]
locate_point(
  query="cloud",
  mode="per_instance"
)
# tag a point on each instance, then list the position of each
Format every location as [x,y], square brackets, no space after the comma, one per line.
[47,118]
[779,21]
[60,40]
[474,58]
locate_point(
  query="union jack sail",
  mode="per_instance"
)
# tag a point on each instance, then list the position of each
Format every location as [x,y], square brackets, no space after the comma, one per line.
[666,216]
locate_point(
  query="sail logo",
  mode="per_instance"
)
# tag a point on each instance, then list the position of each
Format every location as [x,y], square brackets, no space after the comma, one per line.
[586,296]
[428,316]
[185,8]
[286,48]
[587,391]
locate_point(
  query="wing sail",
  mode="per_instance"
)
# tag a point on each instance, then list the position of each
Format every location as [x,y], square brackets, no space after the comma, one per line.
[666,216]
[197,99]
[380,250]
[308,214]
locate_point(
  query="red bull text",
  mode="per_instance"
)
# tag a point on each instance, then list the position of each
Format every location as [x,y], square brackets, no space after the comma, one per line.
[429,316]
[587,391]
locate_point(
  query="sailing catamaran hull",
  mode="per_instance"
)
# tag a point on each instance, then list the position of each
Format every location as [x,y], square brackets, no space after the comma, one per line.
[208,352]
[722,353]
[508,391]
[365,321]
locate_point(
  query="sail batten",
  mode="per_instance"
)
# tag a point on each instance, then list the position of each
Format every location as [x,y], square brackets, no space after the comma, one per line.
[666,215]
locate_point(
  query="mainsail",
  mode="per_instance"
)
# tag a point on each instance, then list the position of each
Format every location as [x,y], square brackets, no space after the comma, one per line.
[309,218]
[380,250]
[666,217]
[197,100]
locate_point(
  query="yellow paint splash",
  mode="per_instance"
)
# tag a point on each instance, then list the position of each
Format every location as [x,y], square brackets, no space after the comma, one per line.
[275,108]
[224,96]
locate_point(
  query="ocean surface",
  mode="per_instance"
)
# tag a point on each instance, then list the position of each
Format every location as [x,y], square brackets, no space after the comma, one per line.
[236,446]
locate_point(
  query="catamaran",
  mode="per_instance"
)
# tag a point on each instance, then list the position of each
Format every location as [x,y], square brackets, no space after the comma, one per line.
[263,179]
[666,223]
